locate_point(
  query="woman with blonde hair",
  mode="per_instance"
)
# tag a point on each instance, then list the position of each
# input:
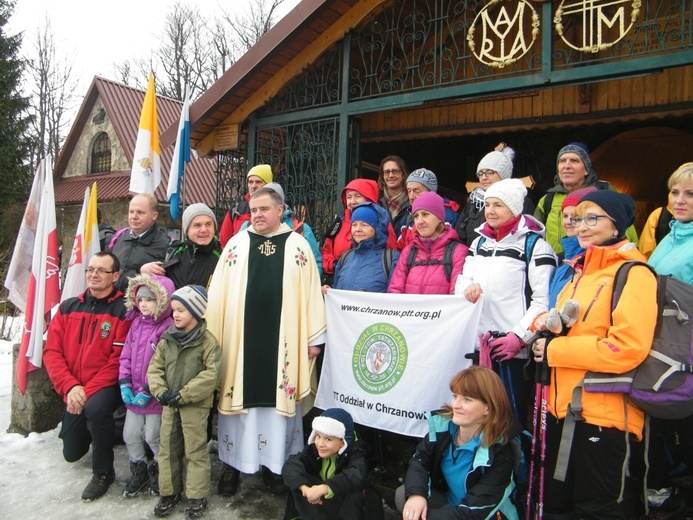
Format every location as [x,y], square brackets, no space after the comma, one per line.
[463,468]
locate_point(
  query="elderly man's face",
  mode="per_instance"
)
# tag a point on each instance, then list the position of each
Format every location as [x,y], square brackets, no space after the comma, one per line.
[255,183]
[264,215]
[141,216]
[571,171]
[201,230]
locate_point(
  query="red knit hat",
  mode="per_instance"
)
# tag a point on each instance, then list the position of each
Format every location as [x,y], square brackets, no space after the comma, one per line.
[573,198]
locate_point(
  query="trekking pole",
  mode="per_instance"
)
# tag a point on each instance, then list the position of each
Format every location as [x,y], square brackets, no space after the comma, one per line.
[535,432]
[544,382]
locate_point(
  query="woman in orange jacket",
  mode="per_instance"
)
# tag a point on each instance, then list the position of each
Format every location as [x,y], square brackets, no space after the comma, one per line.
[592,483]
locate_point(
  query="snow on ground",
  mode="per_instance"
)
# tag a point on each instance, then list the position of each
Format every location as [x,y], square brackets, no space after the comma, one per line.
[37,483]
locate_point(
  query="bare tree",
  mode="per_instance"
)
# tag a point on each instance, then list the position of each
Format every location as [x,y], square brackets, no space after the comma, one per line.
[249,26]
[53,95]
[196,51]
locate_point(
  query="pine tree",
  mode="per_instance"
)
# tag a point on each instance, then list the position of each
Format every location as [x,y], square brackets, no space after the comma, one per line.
[15,173]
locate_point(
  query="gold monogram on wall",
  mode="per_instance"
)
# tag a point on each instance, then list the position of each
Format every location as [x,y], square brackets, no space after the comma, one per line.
[596,24]
[498,35]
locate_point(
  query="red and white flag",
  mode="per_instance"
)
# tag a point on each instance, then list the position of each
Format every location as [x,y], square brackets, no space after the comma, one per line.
[34,274]
[85,245]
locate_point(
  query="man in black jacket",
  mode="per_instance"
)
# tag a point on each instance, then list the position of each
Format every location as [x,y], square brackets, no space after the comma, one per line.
[192,260]
[143,242]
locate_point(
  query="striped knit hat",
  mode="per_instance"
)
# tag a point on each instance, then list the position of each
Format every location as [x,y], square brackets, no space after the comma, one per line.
[193,298]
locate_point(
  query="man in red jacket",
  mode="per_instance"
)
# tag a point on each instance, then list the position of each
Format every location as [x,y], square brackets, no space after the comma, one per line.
[82,352]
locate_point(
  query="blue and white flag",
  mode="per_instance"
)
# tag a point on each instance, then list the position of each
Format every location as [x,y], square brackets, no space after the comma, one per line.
[389,358]
[181,155]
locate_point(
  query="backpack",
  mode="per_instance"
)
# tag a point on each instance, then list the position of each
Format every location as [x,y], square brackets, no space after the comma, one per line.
[386,260]
[530,242]
[446,262]
[662,385]
[548,198]
[662,228]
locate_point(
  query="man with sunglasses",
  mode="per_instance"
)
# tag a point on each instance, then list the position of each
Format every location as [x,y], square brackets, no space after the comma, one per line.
[82,352]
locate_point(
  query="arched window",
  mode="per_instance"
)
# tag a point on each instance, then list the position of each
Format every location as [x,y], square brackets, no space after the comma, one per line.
[101,154]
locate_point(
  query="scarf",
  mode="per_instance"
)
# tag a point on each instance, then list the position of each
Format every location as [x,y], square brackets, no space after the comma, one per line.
[478,197]
[395,204]
[182,337]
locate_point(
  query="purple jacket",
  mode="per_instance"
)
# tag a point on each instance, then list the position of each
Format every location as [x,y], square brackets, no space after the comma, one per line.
[428,279]
[144,336]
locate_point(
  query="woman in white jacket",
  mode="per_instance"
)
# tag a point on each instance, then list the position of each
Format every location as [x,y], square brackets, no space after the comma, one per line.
[511,265]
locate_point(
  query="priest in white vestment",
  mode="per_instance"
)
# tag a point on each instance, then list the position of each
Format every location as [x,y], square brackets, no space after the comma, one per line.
[267,312]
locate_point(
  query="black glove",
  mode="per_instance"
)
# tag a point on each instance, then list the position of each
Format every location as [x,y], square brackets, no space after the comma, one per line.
[164,397]
[176,401]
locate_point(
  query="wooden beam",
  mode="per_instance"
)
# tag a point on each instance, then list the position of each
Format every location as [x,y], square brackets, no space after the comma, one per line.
[296,66]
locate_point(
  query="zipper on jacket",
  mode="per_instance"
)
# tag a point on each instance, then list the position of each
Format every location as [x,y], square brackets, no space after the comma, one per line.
[589,307]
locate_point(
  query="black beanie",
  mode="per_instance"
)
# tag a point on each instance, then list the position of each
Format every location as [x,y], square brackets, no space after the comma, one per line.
[620,207]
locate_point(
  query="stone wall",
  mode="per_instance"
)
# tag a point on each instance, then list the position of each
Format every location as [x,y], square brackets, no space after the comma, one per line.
[79,163]
[40,409]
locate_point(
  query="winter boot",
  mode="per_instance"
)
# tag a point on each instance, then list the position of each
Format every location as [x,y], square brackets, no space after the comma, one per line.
[195,508]
[228,481]
[98,485]
[153,471]
[139,480]
[166,505]
[673,507]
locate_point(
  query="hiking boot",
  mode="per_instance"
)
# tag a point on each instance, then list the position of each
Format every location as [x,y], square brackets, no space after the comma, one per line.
[153,471]
[673,508]
[139,480]
[228,480]
[274,482]
[98,485]
[166,505]
[195,508]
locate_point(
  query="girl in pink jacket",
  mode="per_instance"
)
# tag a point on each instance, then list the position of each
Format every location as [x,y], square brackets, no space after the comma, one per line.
[434,259]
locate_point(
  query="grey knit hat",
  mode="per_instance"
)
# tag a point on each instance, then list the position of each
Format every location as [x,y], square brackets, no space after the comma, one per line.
[195,210]
[425,177]
[276,187]
[500,162]
[193,298]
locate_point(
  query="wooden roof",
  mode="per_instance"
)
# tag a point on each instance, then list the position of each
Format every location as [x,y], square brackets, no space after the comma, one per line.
[283,53]
[123,105]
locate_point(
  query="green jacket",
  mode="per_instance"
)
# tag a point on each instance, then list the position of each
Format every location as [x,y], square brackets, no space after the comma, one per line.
[192,370]
[554,220]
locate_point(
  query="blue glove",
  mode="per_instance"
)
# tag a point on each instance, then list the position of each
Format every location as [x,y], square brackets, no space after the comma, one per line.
[141,399]
[126,394]
[506,347]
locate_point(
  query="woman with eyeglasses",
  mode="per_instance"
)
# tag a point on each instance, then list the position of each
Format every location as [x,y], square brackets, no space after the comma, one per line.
[590,484]
[495,166]
[393,190]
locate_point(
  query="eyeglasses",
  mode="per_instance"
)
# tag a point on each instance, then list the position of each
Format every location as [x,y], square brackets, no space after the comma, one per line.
[98,270]
[391,172]
[485,173]
[590,220]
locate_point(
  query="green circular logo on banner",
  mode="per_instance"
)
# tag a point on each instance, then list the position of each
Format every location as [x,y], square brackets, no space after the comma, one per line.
[380,357]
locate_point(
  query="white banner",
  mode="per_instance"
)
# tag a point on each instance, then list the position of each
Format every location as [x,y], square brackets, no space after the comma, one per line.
[389,358]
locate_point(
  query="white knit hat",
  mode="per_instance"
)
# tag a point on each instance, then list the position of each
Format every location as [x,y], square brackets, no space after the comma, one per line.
[195,210]
[511,192]
[500,162]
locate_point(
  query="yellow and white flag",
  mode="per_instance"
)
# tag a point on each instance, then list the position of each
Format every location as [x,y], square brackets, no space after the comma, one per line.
[145,176]
[85,245]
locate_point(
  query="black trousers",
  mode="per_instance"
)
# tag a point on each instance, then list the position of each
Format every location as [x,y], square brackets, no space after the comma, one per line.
[349,507]
[595,473]
[95,426]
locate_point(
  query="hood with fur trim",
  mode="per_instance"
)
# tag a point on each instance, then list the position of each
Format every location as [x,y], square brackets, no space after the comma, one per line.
[161,286]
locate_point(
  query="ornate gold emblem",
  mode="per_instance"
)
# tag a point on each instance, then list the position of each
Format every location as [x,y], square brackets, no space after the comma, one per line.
[599,24]
[502,39]
[267,248]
